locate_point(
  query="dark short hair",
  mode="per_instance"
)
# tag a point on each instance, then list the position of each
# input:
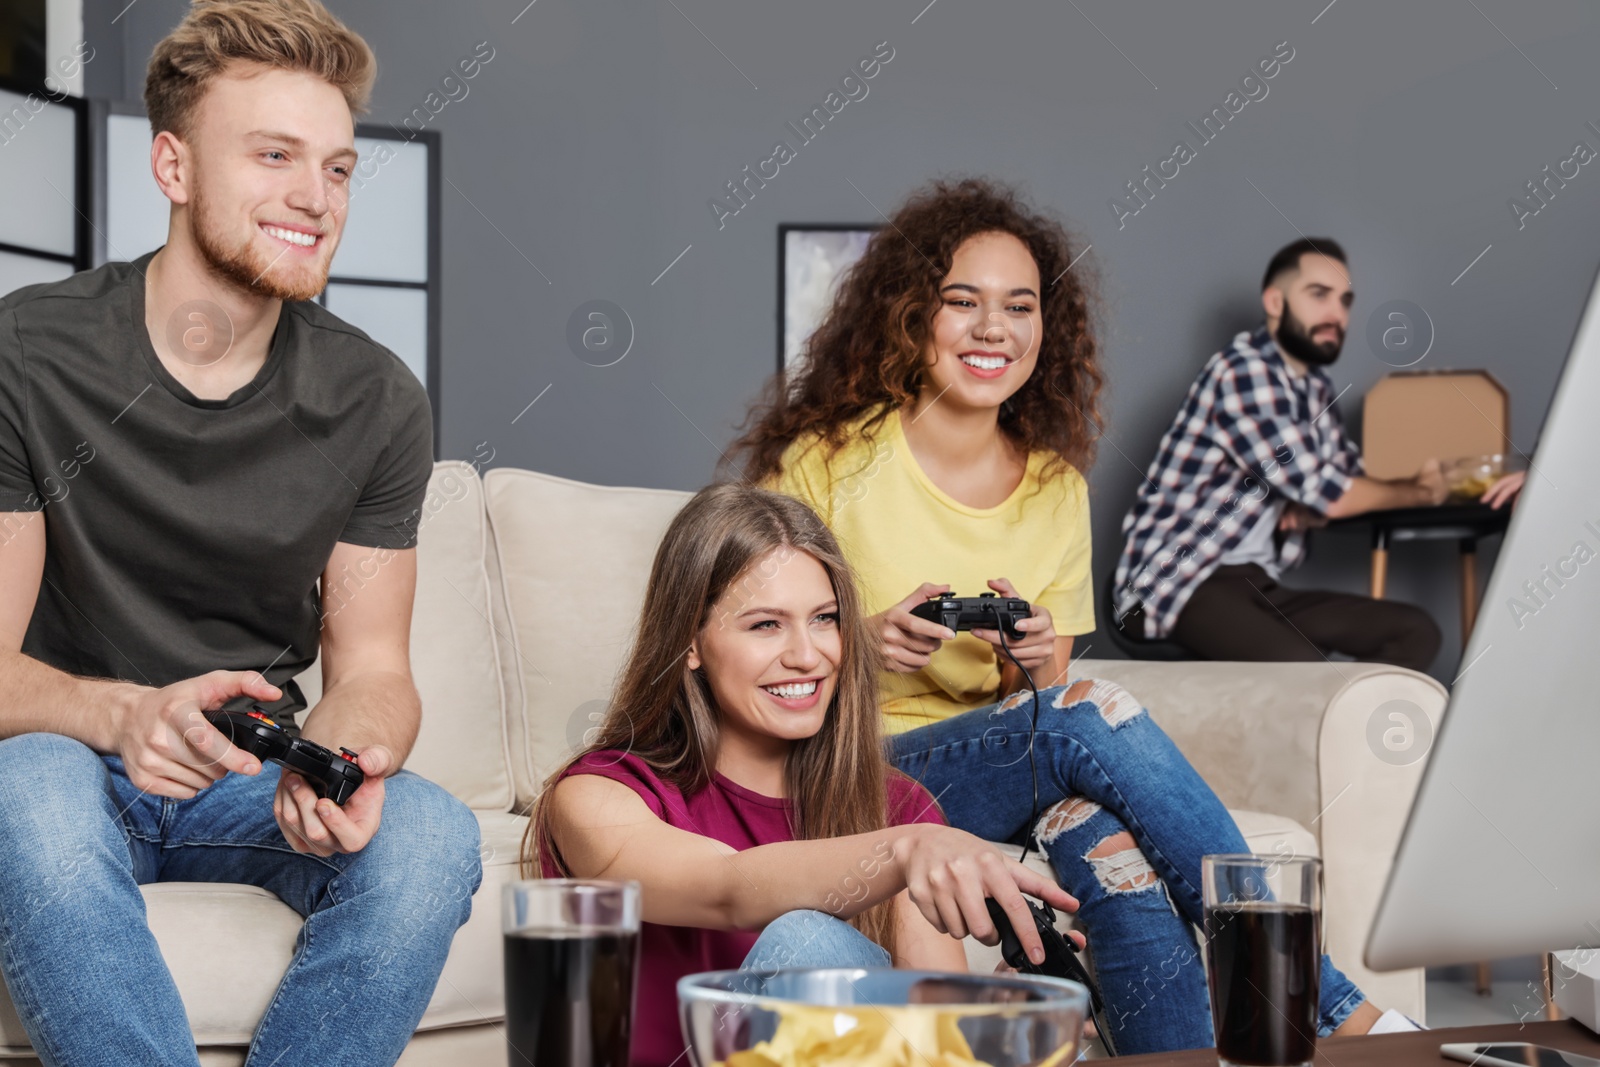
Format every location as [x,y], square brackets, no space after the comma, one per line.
[1287,258]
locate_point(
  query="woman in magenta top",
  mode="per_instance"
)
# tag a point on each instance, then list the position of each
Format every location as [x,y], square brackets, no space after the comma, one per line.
[739,776]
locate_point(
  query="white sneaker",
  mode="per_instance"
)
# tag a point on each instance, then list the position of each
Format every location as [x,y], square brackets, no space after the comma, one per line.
[1392,1022]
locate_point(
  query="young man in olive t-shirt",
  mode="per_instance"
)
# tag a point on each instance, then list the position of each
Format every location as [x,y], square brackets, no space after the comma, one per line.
[187,445]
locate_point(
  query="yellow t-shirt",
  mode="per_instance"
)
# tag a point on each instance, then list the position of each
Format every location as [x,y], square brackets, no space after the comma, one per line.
[899,530]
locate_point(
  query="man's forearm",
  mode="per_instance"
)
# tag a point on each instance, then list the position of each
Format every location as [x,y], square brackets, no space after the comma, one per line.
[37,698]
[1370,494]
[372,708]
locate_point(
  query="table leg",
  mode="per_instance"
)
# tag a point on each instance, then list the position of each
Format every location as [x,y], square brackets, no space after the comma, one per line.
[1469,587]
[1485,978]
[1551,1012]
[1380,570]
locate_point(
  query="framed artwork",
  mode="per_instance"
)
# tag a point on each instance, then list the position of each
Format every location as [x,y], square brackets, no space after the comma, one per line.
[812,257]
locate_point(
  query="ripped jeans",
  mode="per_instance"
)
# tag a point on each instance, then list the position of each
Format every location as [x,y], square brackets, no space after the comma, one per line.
[1125,820]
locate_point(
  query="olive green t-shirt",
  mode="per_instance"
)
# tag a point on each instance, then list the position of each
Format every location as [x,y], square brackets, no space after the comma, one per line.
[186,535]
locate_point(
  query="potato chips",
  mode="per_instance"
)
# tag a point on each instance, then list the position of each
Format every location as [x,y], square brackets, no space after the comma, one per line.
[866,1036]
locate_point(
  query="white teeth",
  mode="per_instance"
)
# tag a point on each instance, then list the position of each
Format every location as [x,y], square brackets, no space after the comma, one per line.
[294,237]
[793,691]
[984,362]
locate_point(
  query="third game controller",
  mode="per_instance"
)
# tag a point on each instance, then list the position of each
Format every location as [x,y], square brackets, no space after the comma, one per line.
[331,775]
[986,611]
[1060,956]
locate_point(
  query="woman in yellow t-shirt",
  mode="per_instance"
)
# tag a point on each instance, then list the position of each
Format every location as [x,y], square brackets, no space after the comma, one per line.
[938,423]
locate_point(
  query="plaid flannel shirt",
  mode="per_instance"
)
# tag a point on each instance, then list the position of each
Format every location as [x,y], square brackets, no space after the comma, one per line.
[1249,431]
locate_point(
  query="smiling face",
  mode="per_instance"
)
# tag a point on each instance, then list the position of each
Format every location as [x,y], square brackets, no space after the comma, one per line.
[987,329]
[270,155]
[771,650]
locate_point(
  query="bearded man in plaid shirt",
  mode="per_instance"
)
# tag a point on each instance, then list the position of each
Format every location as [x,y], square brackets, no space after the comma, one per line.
[1257,455]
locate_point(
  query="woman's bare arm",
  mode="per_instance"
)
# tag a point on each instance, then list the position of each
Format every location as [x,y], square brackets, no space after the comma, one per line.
[919,946]
[604,830]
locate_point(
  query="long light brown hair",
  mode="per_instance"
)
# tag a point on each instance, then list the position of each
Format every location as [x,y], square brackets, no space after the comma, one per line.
[871,350]
[664,713]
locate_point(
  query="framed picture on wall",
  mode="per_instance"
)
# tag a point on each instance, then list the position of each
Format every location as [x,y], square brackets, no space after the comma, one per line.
[812,257]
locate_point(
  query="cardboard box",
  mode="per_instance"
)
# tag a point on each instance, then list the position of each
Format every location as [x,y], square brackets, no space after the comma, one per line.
[1412,416]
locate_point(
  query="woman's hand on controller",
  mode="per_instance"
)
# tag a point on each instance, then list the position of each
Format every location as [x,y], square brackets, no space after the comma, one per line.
[907,641]
[319,826]
[167,746]
[1038,641]
[949,873]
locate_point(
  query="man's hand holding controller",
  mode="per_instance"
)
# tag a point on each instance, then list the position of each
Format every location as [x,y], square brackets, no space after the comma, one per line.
[169,749]
[320,827]
[167,746]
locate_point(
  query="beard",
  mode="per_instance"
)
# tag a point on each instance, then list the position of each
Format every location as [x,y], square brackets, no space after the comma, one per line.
[1293,337]
[250,267]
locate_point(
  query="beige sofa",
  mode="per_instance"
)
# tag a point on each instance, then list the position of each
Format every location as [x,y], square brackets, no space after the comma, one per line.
[528,589]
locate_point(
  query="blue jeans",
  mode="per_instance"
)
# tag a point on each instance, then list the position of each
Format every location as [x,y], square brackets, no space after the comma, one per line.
[1099,752]
[812,939]
[84,969]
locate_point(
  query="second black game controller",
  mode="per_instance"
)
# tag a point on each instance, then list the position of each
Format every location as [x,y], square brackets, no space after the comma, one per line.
[332,775]
[986,611]
[1060,956]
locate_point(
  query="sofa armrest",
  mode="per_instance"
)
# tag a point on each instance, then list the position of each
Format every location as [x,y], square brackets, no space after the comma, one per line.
[1325,744]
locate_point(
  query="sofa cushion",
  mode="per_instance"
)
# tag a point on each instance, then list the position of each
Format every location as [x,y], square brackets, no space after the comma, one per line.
[574,560]
[229,945]
[455,658]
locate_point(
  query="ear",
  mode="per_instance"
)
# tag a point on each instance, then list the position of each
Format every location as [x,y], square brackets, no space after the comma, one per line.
[170,164]
[694,660]
[1272,301]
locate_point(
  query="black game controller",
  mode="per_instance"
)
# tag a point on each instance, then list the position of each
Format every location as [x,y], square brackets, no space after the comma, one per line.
[1060,957]
[331,775]
[986,611]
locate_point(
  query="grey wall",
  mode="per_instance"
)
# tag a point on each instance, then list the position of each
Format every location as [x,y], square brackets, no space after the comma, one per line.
[591,143]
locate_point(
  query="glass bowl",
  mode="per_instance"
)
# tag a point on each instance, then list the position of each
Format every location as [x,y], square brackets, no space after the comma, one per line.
[808,1017]
[1469,477]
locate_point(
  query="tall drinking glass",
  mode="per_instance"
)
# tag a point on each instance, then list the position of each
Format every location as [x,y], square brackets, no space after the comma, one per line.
[571,959]
[1263,928]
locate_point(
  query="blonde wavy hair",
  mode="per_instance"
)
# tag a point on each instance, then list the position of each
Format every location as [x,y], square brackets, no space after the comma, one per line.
[297,35]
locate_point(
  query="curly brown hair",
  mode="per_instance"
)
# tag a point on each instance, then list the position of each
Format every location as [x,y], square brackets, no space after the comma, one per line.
[869,353]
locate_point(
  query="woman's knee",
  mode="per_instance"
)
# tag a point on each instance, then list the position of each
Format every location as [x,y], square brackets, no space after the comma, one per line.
[1089,832]
[1114,705]
[807,938]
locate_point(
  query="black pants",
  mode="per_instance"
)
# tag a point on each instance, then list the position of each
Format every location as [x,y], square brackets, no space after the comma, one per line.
[1241,613]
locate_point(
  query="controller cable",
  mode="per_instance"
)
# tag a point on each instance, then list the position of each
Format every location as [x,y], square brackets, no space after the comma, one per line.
[1096,1003]
[1033,731]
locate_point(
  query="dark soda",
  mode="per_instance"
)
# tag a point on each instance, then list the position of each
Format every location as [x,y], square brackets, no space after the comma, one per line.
[569,998]
[1265,974]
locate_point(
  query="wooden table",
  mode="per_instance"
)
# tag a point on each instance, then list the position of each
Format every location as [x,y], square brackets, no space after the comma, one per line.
[1463,523]
[1419,1049]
